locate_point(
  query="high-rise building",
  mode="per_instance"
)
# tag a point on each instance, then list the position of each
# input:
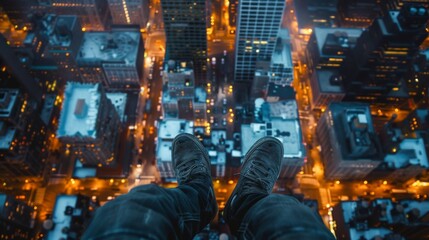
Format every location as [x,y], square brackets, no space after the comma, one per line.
[277,70]
[129,12]
[93,14]
[13,74]
[326,51]
[350,147]
[178,91]
[257,31]
[374,71]
[89,125]
[59,39]
[314,13]
[17,219]
[358,13]
[186,36]
[113,58]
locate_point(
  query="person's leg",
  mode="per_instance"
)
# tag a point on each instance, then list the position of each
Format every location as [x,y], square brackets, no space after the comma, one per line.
[152,212]
[253,212]
[282,217]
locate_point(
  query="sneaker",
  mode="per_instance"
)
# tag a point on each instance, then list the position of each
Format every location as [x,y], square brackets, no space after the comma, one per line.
[259,172]
[190,159]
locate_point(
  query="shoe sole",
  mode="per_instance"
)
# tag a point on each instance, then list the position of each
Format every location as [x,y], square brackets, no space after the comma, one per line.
[246,161]
[194,140]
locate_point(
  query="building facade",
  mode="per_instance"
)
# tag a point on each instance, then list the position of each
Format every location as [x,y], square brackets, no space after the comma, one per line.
[258,26]
[374,71]
[129,12]
[186,36]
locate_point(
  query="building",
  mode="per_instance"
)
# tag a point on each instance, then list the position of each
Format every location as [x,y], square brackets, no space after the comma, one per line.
[178,91]
[17,219]
[113,58]
[314,13]
[374,71]
[186,37]
[350,147]
[409,160]
[129,12]
[258,27]
[22,136]
[328,47]
[405,155]
[167,131]
[418,80]
[71,215]
[200,106]
[357,13]
[381,219]
[89,125]
[280,120]
[59,39]
[416,125]
[278,70]
[93,14]
[326,87]
[14,75]
[232,10]
[219,148]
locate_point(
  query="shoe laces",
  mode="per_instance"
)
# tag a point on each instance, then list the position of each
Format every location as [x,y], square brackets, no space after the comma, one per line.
[259,174]
[191,167]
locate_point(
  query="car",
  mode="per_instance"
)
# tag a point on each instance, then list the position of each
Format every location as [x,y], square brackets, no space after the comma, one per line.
[213,60]
[224,110]
[224,121]
[224,101]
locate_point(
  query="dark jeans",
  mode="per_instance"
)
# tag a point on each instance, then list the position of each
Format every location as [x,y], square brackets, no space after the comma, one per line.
[152,212]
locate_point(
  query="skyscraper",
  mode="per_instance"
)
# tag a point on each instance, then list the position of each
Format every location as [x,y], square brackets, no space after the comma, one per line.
[374,71]
[89,125]
[257,30]
[93,14]
[185,29]
[129,11]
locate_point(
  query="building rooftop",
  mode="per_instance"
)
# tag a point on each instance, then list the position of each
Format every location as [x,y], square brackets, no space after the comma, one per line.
[116,46]
[8,98]
[61,33]
[364,218]
[411,151]
[60,219]
[80,110]
[164,150]
[343,37]
[287,131]
[329,81]
[283,56]
[283,92]
[169,129]
[119,101]
[283,109]
[353,125]
[200,95]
